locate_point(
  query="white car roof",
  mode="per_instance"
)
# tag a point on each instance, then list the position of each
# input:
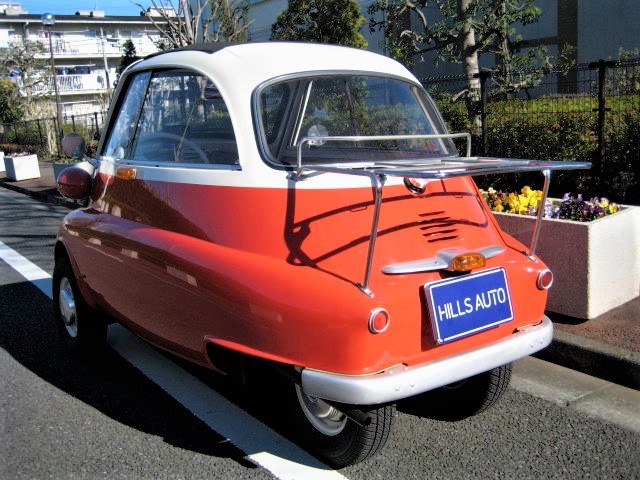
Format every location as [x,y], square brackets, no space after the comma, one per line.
[255,63]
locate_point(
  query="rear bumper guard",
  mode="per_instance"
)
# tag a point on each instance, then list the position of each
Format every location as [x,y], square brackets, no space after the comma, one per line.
[401,381]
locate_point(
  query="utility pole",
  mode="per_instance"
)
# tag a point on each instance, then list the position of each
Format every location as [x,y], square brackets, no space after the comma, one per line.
[48,20]
[104,59]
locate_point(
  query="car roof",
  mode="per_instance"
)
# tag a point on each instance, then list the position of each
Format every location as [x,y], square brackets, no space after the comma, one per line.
[254,63]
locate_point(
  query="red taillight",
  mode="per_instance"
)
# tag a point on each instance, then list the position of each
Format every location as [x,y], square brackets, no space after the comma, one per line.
[545,279]
[378,320]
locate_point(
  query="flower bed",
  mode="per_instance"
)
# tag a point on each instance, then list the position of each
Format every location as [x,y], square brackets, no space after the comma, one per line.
[596,264]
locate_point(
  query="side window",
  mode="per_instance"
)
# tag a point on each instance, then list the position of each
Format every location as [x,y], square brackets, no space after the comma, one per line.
[121,133]
[275,101]
[184,119]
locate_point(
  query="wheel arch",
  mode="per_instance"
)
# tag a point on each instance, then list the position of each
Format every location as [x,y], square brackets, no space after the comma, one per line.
[61,251]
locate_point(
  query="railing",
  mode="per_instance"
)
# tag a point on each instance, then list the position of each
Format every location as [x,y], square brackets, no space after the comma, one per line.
[591,88]
[42,135]
[71,83]
[83,46]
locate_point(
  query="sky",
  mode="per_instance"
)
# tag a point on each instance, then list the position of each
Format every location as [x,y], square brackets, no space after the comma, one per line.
[70,7]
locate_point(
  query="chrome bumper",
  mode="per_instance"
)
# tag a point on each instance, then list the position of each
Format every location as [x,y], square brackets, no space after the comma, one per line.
[402,381]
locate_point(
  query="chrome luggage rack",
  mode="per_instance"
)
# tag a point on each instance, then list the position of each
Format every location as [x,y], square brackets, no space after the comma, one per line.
[438,168]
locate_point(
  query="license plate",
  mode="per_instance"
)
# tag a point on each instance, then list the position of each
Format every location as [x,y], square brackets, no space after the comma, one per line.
[469,304]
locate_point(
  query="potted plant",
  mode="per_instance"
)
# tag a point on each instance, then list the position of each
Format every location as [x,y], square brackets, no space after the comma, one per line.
[591,246]
[74,148]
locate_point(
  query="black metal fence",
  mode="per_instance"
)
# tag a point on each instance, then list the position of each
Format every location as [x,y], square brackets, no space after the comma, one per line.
[43,135]
[606,92]
[591,112]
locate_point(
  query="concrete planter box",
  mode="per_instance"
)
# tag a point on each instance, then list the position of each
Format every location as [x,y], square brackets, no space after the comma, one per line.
[59,167]
[596,265]
[22,168]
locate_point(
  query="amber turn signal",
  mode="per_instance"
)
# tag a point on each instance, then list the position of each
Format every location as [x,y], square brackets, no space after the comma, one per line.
[467,262]
[126,173]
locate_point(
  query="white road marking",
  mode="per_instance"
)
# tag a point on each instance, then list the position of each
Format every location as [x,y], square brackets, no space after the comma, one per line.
[27,269]
[262,445]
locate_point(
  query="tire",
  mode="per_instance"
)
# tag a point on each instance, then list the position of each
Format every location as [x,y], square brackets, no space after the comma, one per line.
[468,397]
[332,436]
[79,326]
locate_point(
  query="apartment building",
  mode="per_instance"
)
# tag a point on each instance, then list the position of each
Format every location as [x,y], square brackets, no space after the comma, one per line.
[87,48]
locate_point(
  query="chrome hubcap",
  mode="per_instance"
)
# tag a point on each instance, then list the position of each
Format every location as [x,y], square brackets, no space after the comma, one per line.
[325,418]
[67,306]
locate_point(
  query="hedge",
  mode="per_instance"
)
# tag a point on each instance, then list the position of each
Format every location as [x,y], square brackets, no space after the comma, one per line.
[562,129]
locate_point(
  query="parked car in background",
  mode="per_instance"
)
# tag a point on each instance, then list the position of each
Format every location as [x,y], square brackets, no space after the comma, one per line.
[301,206]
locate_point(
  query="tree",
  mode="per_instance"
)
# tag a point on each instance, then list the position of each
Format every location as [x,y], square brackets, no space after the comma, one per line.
[194,21]
[27,71]
[130,56]
[10,102]
[462,31]
[322,21]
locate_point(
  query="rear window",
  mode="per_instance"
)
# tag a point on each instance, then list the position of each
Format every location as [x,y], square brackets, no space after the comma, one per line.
[348,106]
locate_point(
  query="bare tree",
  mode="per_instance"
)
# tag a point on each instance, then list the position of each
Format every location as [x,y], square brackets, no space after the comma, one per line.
[24,62]
[184,22]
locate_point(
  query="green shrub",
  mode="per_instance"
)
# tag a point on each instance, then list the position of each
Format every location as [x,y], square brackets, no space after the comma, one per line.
[563,129]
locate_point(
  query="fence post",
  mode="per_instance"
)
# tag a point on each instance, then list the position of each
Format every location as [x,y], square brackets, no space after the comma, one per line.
[58,132]
[40,132]
[602,66]
[484,75]
[95,117]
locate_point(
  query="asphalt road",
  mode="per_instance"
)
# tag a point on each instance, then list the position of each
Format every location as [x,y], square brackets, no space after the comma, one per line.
[66,418]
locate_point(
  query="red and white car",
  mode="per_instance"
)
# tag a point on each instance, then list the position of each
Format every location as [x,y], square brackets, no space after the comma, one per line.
[301,205]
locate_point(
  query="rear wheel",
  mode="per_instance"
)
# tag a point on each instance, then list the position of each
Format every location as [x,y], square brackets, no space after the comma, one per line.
[79,326]
[468,397]
[333,436]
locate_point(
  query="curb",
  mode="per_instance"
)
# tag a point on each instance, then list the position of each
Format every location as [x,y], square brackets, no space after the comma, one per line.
[594,358]
[49,196]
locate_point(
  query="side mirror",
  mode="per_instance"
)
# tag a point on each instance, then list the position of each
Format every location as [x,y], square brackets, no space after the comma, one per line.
[74,183]
[74,146]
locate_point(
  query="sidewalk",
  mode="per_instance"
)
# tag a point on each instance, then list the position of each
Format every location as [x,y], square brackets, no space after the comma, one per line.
[607,346]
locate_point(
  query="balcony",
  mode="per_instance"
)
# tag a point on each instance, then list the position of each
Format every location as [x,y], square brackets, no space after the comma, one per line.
[76,46]
[69,85]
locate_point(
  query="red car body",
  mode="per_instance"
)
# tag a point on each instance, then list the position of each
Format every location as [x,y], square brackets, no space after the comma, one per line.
[331,268]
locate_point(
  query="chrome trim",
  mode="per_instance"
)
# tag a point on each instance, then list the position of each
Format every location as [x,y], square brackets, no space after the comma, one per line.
[541,274]
[440,261]
[401,381]
[541,205]
[441,162]
[372,316]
